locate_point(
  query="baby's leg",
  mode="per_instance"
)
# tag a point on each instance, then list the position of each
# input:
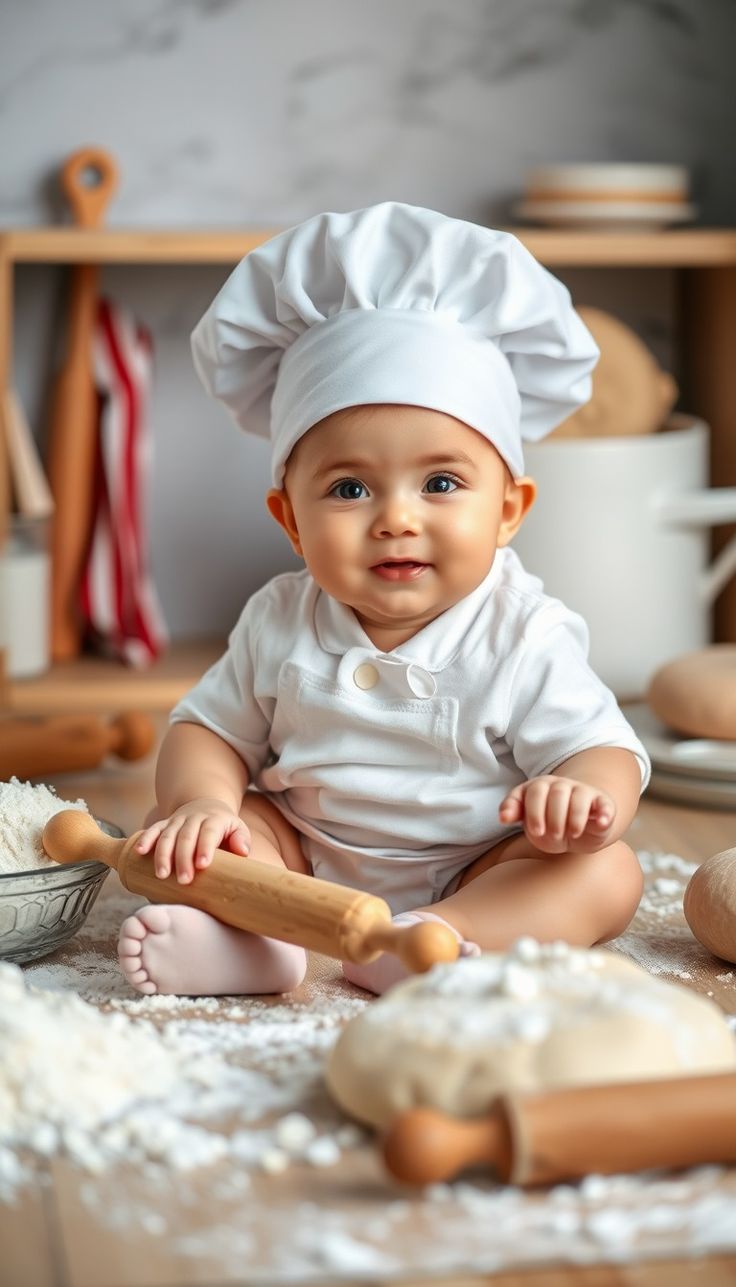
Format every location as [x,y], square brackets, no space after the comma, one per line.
[515,890]
[181,950]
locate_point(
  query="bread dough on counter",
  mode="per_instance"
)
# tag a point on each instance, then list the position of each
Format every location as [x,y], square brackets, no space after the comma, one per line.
[710,904]
[631,394]
[532,1019]
[696,692]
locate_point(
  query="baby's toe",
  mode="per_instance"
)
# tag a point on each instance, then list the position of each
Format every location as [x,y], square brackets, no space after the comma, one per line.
[132,927]
[135,975]
[147,988]
[131,947]
[155,919]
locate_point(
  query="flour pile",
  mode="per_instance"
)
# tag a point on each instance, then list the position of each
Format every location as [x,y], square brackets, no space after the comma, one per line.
[103,1088]
[24,812]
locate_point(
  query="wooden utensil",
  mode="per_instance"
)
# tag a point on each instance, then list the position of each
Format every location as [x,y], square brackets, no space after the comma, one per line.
[252,895]
[30,748]
[30,488]
[73,422]
[542,1139]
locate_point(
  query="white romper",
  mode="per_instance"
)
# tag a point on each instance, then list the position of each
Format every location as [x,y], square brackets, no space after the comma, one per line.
[392,766]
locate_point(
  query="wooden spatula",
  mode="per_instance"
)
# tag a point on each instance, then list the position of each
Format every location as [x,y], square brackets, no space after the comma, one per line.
[88,180]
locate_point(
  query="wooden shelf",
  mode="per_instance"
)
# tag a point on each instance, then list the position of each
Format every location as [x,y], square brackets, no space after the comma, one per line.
[682,248]
[128,246]
[92,683]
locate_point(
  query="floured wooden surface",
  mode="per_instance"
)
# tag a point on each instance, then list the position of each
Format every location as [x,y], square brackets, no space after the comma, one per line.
[323,1209]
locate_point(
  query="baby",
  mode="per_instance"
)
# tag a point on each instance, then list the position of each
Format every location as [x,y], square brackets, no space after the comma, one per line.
[411,714]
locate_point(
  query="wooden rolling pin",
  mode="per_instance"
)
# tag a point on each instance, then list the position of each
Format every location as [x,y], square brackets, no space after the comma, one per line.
[30,748]
[264,899]
[564,1134]
[73,421]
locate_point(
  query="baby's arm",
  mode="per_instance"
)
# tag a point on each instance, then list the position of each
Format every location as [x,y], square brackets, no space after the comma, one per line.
[585,804]
[200,784]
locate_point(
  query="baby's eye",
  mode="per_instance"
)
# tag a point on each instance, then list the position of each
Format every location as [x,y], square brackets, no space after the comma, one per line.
[348,489]
[441,484]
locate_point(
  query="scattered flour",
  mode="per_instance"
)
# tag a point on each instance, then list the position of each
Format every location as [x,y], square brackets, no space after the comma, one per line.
[24,811]
[102,1088]
[667,876]
[166,1103]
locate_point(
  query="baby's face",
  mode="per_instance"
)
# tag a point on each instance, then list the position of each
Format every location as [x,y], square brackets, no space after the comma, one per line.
[398,512]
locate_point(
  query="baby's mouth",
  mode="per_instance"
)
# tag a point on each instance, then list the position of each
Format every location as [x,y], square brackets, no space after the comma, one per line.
[399,569]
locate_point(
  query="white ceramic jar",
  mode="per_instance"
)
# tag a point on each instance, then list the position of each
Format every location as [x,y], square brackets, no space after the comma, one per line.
[620,531]
[25,577]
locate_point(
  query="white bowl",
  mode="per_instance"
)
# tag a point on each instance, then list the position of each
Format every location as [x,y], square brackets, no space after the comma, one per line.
[614,215]
[631,180]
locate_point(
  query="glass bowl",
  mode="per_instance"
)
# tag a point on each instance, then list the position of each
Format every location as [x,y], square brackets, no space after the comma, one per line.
[42,908]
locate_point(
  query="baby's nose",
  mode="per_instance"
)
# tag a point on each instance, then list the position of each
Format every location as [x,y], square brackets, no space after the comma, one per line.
[398,513]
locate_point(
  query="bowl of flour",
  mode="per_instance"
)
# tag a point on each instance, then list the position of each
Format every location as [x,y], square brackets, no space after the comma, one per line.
[42,903]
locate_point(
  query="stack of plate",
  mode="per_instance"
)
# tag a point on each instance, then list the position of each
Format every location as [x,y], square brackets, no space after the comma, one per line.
[607,196]
[686,770]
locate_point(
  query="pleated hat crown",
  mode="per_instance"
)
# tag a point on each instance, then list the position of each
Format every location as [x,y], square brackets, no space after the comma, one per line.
[394,304]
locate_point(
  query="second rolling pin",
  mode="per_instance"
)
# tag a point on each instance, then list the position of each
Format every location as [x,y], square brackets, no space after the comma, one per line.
[251,895]
[532,1139]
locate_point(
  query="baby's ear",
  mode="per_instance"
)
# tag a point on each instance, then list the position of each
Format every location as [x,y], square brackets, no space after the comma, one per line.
[520,495]
[279,507]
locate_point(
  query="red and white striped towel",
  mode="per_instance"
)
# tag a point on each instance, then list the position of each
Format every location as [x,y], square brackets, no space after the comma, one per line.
[118,599]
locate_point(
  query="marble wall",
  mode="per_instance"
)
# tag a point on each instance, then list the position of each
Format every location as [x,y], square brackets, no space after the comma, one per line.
[262,112]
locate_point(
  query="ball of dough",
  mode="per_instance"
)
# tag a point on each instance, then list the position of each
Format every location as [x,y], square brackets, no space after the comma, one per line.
[631,393]
[532,1019]
[710,904]
[696,694]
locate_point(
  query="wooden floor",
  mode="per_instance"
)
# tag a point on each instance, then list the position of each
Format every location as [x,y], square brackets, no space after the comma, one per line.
[47,1241]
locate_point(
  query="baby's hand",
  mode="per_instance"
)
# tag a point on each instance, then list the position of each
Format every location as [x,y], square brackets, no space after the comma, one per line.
[559,814]
[188,838]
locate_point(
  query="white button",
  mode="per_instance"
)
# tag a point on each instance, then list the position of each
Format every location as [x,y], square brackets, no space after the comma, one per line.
[365,676]
[421,683]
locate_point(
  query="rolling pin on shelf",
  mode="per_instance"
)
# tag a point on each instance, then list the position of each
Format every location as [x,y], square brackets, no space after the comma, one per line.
[31,748]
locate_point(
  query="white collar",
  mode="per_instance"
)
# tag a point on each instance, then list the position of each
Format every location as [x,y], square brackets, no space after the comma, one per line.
[432,647]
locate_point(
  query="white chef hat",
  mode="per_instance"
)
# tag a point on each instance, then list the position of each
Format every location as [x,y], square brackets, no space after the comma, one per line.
[394,304]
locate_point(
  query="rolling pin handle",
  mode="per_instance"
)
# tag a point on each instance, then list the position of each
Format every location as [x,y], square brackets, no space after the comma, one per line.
[132,735]
[73,836]
[424,1146]
[418,948]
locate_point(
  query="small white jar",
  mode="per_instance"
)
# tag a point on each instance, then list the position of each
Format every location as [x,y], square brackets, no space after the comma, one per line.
[25,588]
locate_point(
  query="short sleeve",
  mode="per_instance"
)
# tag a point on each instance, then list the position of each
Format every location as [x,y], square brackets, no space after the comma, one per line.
[558,706]
[224,700]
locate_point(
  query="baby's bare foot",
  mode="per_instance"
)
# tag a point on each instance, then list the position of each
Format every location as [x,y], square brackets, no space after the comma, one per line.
[386,970]
[185,952]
